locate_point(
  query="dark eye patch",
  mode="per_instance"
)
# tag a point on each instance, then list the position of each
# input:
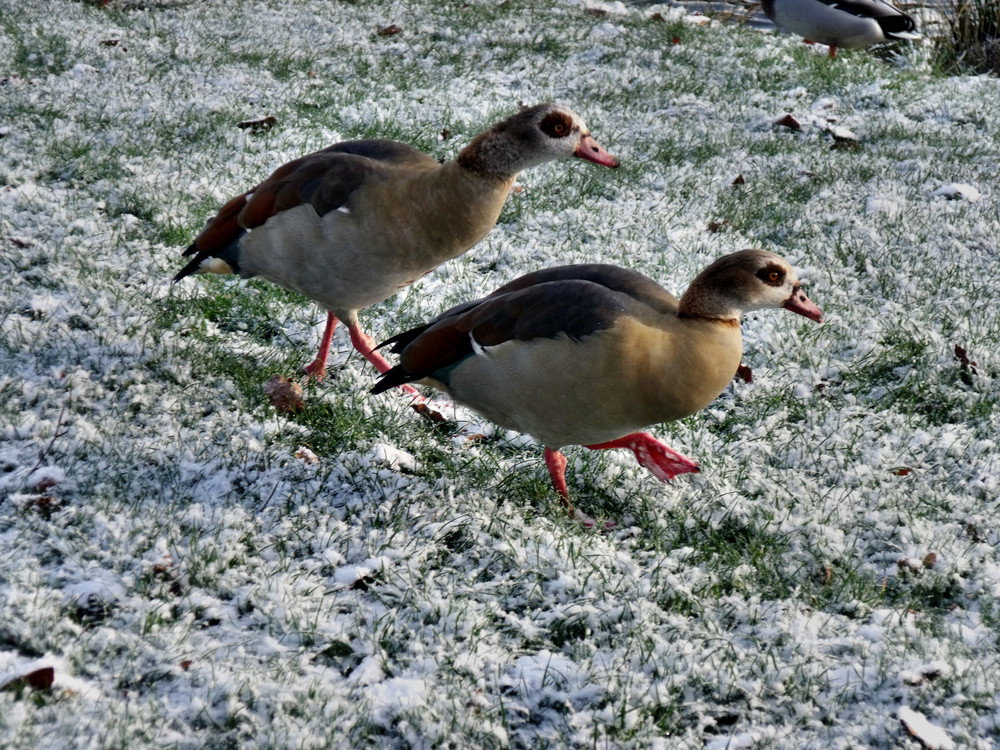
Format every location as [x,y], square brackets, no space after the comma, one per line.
[772,274]
[556,125]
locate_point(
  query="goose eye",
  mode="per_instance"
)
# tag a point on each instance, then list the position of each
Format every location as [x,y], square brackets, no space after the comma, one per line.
[771,275]
[556,125]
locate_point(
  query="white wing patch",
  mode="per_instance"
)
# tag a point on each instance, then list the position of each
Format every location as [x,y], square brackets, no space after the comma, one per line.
[477,348]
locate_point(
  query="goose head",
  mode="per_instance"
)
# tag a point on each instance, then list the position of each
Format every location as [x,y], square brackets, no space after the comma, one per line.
[533,136]
[744,281]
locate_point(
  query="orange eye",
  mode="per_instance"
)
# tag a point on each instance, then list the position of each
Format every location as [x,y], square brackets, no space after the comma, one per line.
[774,276]
[559,128]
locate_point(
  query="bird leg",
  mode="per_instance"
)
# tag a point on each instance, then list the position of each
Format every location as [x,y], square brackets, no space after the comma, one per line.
[317,368]
[365,345]
[361,341]
[655,455]
[556,462]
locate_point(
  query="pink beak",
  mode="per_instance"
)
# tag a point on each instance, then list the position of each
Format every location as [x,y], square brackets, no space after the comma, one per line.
[591,150]
[801,304]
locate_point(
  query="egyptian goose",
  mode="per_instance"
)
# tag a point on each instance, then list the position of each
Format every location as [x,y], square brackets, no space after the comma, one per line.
[353,224]
[841,23]
[588,354]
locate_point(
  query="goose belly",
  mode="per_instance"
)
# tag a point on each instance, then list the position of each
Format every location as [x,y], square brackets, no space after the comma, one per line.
[325,259]
[547,388]
[610,384]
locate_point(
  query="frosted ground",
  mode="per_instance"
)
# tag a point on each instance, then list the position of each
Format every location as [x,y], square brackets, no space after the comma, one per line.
[199,570]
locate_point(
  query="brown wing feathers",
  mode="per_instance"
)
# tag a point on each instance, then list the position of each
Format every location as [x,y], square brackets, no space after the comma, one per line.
[325,179]
[566,306]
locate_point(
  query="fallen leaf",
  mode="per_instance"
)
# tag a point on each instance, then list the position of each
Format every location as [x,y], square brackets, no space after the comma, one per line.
[598,12]
[44,505]
[920,676]
[963,357]
[844,145]
[45,482]
[958,190]
[428,413]
[717,226]
[739,180]
[39,679]
[788,122]
[930,559]
[306,456]
[285,395]
[842,134]
[902,471]
[258,126]
[930,736]
[390,30]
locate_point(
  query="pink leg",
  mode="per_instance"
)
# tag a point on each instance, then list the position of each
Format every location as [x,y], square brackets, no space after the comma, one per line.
[366,346]
[317,368]
[664,462]
[556,462]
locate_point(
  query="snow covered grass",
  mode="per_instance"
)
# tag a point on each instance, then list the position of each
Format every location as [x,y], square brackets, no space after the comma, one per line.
[199,570]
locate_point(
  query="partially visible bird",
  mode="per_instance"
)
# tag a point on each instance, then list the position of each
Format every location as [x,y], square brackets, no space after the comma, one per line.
[353,224]
[589,354]
[841,23]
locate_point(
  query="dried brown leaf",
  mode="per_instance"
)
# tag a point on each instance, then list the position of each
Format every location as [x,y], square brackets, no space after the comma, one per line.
[39,679]
[306,456]
[285,395]
[428,413]
[788,122]
[258,126]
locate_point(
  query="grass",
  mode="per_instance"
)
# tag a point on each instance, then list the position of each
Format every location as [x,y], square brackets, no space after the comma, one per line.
[195,582]
[971,41]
